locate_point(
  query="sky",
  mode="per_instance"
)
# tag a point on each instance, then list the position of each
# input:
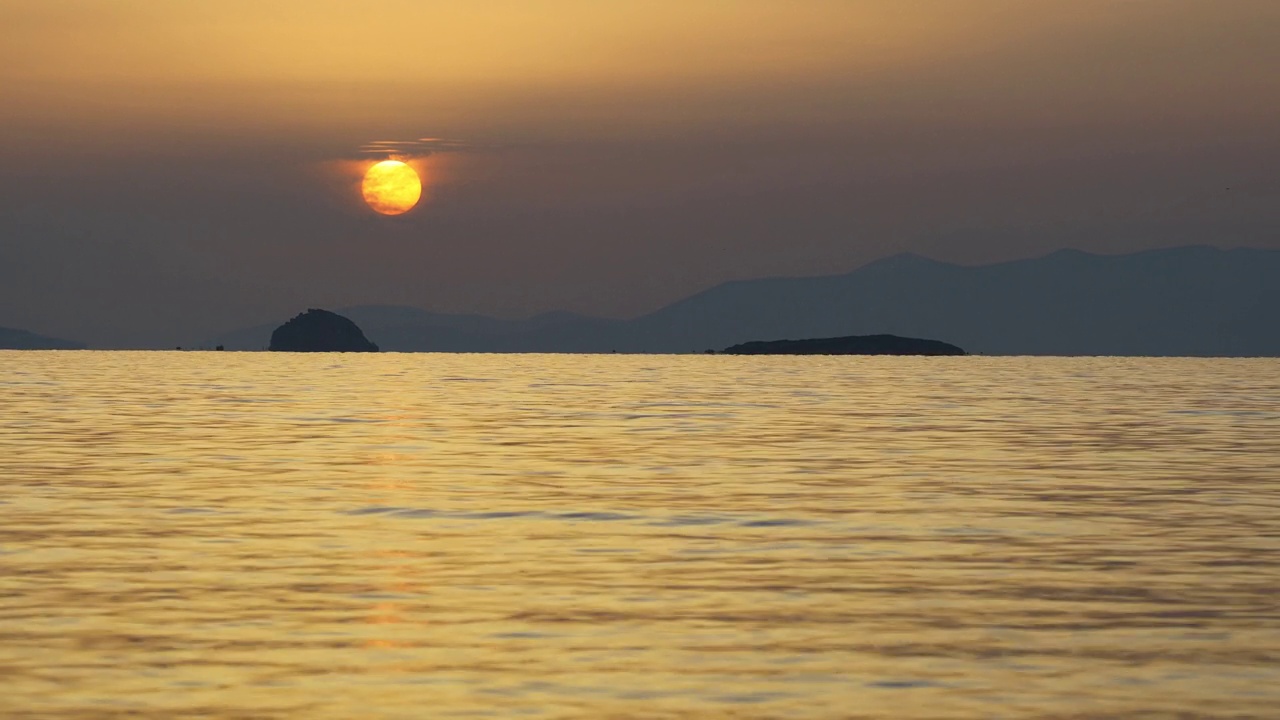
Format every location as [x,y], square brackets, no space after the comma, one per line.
[170,171]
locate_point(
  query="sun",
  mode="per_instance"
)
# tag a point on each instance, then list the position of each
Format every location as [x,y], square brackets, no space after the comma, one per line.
[391,187]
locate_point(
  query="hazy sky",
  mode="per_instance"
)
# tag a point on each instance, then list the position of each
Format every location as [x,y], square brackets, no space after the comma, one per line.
[170,170]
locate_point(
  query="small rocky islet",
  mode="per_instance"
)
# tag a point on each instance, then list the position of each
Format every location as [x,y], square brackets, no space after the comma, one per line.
[848,345]
[320,331]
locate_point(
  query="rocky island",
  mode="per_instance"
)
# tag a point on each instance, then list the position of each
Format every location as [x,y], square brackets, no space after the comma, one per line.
[320,331]
[850,345]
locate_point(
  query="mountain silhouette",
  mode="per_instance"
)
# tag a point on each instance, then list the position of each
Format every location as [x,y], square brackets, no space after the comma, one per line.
[1195,301]
[11,339]
[399,328]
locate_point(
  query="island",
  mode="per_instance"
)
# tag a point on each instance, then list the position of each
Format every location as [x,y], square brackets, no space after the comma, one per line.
[850,345]
[320,331]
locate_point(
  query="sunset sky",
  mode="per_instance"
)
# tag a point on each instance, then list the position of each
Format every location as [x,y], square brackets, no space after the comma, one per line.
[171,170]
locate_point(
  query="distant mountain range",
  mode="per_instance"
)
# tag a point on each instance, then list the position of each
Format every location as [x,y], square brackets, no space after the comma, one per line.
[1196,301]
[11,339]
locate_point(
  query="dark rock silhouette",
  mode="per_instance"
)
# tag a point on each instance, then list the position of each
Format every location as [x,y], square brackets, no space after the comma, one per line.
[11,339]
[320,331]
[850,345]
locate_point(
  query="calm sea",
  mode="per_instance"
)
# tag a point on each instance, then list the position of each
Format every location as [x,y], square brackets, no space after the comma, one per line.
[253,535]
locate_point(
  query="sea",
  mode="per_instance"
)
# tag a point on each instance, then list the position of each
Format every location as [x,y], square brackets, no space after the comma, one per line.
[267,535]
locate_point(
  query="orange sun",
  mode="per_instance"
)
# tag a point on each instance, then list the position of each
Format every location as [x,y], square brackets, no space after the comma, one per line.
[391,187]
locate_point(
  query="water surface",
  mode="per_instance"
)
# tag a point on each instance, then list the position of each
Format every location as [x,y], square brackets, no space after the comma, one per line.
[253,535]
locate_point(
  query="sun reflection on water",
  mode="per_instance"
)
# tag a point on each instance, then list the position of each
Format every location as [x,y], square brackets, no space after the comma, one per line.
[239,535]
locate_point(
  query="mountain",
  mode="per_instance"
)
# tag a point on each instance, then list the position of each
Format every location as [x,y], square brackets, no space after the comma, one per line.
[397,328]
[11,339]
[1179,301]
[1197,301]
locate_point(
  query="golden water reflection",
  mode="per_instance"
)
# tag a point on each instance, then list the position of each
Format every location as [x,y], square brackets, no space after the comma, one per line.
[259,535]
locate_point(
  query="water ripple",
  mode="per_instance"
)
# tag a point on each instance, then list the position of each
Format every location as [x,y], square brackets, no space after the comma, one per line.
[254,535]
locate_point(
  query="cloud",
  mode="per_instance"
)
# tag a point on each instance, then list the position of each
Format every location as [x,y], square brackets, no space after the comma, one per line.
[419,148]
